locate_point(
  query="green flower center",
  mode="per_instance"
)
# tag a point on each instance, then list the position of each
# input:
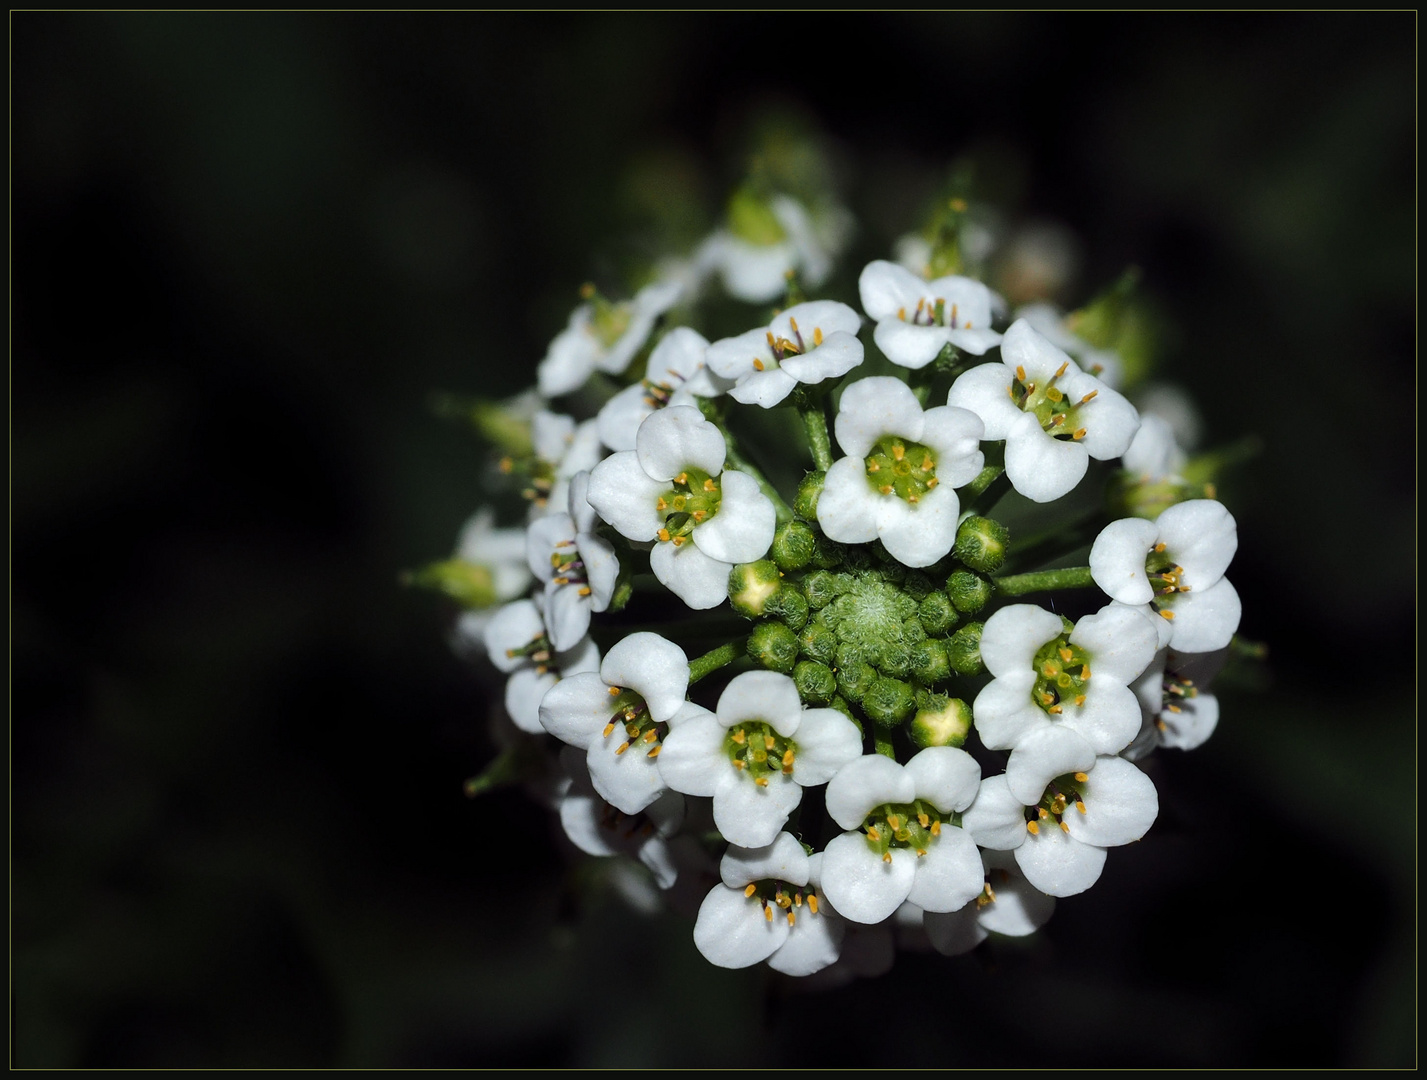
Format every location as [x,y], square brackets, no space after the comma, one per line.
[913,826]
[756,749]
[1062,793]
[1062,674]
[1058,415]
[901,467]
[1166,578]
[641,731]
[694,498]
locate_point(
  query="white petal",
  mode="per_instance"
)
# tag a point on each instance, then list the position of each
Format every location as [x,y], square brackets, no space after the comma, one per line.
[966,302]
[1023,346]
[1042,757]
[551,433]
[732,930]
[679,438]
[886,288]
[1005,715]
[1013,636]
[1110,421]
[749,815]
[1120,640]
[570,358]
[742,530]
[763,696]
[1153,453]
[567,614]
[653,667]
[918,535]
[1109,719]
[826,740]
[950,874]
[814,942]
[733,357]
[695,578]
[514,626]
[1120,805]
[859,884]
[1205,621]
[976,342]
[764,388]
[829,316]
[782,860]
[986,391]
[1040,467]
[580,815]
[997,819]
[678,359]
[523,693]
[694,760]
[908,345]
[955,438]
[621,415]
[756,275]
[601,568]
[581,512]
[835,357]
[576,709]
[954,933]
[585,656]
[1202,536]
[946,777]
[628,781]
[1189,728]
[1058,864]
[625,496]
[868,782]
[874,407]
[1117,560]
[1019,908]
[848,507]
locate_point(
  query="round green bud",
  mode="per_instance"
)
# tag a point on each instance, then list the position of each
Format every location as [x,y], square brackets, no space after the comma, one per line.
[939,721]
[929,662]
[821,588]
[963,651]
[789,606]
[816,683]
[828,554]
[850,654]
[981,543]
[888,701]
[752,585]
[895,659]
[774,646]
[937,614]
[856,557]
[854,679]
[818,643]
[917,585]
[893,573]
[793,545]
[968,592]
[805,503]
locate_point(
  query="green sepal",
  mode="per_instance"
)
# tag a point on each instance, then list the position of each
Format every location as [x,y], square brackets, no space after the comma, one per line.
[469,584]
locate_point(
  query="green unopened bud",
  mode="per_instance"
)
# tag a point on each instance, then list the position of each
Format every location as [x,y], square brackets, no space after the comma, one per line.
[937,614]
[816,683]
[752,585]
[1118,320]
[917,585]
[789,606]
[793,545]
[939,721]
[981,543]
[751,218]
[828,554]
[968,592]
[774,646]
[854,679]
[929,662]
[895,659]
[888,701]
[821,588]
[963,651]
[856,557]
[499,424]
[818,643]
[805,504]
[469,584]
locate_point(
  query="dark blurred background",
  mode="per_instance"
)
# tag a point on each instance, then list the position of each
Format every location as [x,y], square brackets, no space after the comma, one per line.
[246,249]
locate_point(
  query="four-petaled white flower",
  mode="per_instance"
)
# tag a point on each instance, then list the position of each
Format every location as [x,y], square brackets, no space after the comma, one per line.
[562,449]
[1175,567]
[518,645]
[1044,706]
[1059,837]
[900,844]
[756,754]
[672,488]
[796,242]
[805,344]
[603,336]
[620,715]
[577,567]
[597,828]
[1053,416]
[1008,904]
[916,319]
[902,466]
[676,375]
[1178,710]
[767,909]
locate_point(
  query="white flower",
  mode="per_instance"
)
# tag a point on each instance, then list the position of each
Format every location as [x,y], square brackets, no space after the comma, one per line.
[1179,712]
[1059,837]
[900,844]
[1043,704]
[1153,455]
[756,754]
[562,449]
[897,482]
[764,910]
[518,645]
[797,243]
[1053,416]
[672,488]
[578,568]
[620,715]
[1050,322]
[603,336]
[805,344]
[916,319]
[1008,904]
[597,828]
[1174,566]
[496,560]
[676,375]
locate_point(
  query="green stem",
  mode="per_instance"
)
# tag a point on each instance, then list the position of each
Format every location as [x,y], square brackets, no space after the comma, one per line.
[815,424]
[713,660]
[991,491]
[882,741]
[1071,577]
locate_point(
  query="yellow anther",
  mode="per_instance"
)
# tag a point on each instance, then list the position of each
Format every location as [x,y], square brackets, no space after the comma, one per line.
[506,464]
[752,888]
[1063,369]
[1042,812]
[678,541]
[1033,828]
[912,497]
[758,364]
[923,820]
[608,728]
[791,917]
[699,515]
[771,343]
[1081,777]
[541,669]
[663,534]
[898,451]
[587,290]
[768,742]
[1159,546]
[902,314]
[953,314]
[886,856]
[817,336]
[787,770]
[927,462]
[622,748]
[1020,373]
[651,735]
[788,757]
[873,834]
[1161,725]
[933,482]
[895,821]
[1055,710]
[761,781]
[1049,670]
[921,304]
[1079,433]
[936,828]
[1079,700]
[709,485]
[812,903]
[1065,828]
[661,504]
[1210,491]
[920,851]
[614,691]
[1088,396]
[767,913]
[739,737]
[885,489]
[1174,708]
[1168,615]
[1084,672]
[630,714]
[793,323]
[873,467]
[682,478]
[958,204]
[655,751]
[1080,805]
[1065,654]
[737,764]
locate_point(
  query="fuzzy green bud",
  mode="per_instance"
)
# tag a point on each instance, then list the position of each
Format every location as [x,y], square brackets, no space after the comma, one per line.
[805,503]
[938,614]
[752,585]
[917,585]
[818,643]
[939,721]
[793,545]
[821,588]
[774,646]
[469,584]
[981,543]
[816,683]
[968,592]
[929,663]
[854,679]
[963,651]
[894,659]
[828,554]
[856,557]
[888,701]
[789,606]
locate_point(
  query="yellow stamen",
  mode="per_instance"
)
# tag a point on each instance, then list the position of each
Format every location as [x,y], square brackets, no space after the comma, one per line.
[1065,654]
[758,364]
[767,913]
[923,820]
[1079,433]
[739,737]
[768,742]
[902,314]
[585,590]
[1063,369]
[817,336]
[1081,777]
[699,515]
[898,451]
[682,478]
[752,888]
[791,917]
[873,834]
[1084,671]
[886,856]
[651,735]
[709,485]
[812,903]
[1168,615]
[894,821]
[936,828]
[1080,805]
[788,757]
[1065,828]
[1033,828]
[608,728]
[761,781]
[1088,396]
[622,748]
[614,691]
[663,534]
[1079,700]
[655,751]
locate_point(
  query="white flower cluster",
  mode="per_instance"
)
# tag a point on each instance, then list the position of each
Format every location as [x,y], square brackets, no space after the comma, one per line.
[973,758]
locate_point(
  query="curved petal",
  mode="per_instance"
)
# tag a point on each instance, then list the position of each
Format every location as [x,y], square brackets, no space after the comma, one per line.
[782,860]
[955,437]
[918,535]
[826,741]
[742,530]
[1040,467]
[949,875]
[1201,536]
[886,288]
[601,568]
[834,358]
[1018,908]
[946,777]
[1153,454]
[626,496]
[1005,715]
[628,780]
[954,933]
[549,534]
[997,819]
[567,615]
[732,930]
[752,816]
[580,817]
[621,415]
[868,782]
[814,942]
[909,345]
[653,667]
[1058,864]
[513,627]
[1051,752]
[584,656]
[570,358]
[1013,636]
[1191,726]
[764,388]
[763,696]
[733,357]
[576,709]
[693,759]
[1120,805]
[986,391]
[1205,621]
[859,884]
[699,580]
[1121,642]
[1117,560]
[524,691]
[976,342]
[848,507]
[679,438]
[678,360]
[1023,346]
[829,316]
[873,407]
[1109,419]
[1109,719]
